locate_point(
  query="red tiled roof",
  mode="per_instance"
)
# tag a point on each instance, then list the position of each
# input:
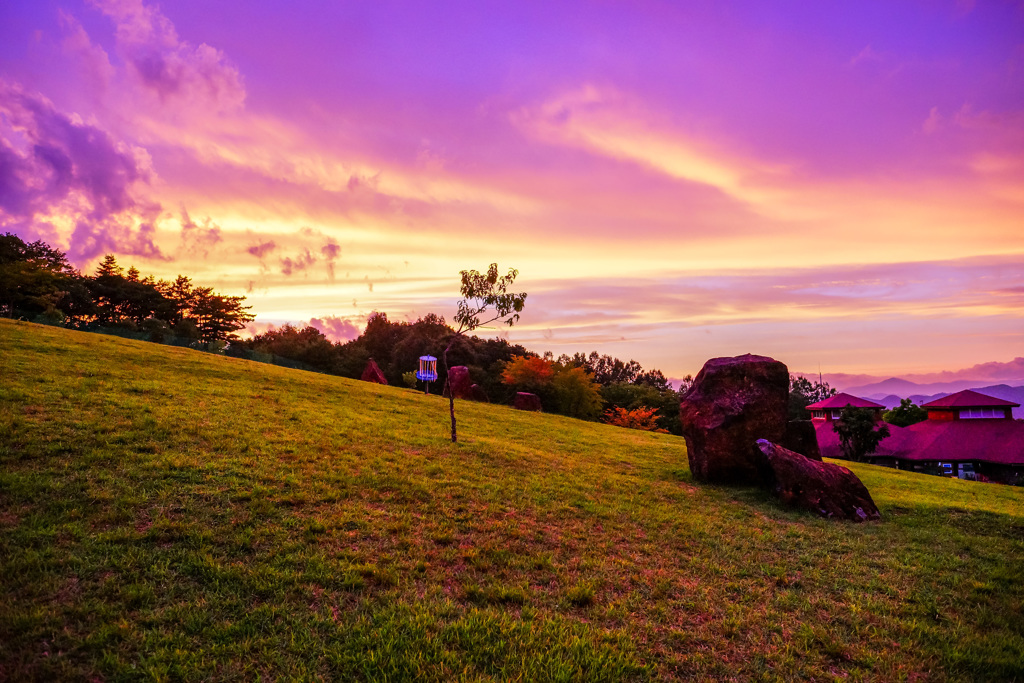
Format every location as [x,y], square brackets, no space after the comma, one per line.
[969,399]
[842,400]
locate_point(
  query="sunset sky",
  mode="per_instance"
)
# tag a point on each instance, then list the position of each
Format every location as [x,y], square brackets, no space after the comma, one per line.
[831,184]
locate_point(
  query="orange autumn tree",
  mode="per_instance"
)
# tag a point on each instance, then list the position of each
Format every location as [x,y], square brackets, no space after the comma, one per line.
[567,389]
[641,418]
[531,373]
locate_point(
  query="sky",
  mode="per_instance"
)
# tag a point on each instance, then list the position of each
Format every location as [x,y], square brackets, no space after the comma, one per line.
[836,185]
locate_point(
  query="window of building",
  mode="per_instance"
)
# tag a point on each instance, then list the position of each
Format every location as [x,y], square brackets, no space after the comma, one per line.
[836,414]
[818,413]
[976,413]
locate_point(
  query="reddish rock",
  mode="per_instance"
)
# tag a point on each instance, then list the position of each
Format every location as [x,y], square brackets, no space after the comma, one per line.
[732,403]
[526,401]
[801,437]
[477,393]
[372,373]
[829,490]
[459,382]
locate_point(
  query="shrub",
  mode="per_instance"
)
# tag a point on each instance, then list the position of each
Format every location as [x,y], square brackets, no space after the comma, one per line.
[641,418]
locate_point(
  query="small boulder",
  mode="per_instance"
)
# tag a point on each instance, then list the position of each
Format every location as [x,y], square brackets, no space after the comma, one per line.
[801,437]
[732,403]
[477,393]
[458,382]
[372,373]
[829,490]
[526,401]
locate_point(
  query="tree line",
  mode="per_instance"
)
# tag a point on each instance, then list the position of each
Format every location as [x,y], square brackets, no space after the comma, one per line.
[38,283]
[581,385]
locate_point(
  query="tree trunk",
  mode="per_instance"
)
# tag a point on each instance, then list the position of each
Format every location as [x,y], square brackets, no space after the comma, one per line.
[451,394]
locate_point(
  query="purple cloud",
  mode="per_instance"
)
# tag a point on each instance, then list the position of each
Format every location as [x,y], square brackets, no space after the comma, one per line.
[173,69]
[331,252]
[336,328]
[196,238]
[993,371]
[53,166]
[333,327]
[261,250]
[301,262]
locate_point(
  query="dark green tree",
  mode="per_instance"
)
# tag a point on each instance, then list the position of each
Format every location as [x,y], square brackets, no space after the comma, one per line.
[37,280]
[608,370]
[380,336]
[905,414]
[307,345]
[576,393]
[859,433]
[179,293]
[803,392]
[125,301]
[483,295]
[218,317]
[653,378]
[352,358]
[426,336]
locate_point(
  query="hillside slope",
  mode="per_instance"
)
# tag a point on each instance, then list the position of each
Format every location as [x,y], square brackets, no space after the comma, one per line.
[169,514]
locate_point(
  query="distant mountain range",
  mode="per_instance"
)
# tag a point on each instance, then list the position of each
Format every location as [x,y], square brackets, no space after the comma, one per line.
[1003,380]
[904,387]
[1010,373]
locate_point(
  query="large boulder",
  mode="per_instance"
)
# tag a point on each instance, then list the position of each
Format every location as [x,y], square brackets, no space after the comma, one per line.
[526,401]
[732,403]
[801,437]
[821,487]
[372,373]
[459,383]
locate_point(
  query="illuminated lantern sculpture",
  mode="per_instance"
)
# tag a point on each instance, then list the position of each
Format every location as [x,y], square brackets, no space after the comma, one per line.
[427,372]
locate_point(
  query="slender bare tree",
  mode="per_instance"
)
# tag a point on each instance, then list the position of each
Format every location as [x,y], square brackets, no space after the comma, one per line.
[483,295]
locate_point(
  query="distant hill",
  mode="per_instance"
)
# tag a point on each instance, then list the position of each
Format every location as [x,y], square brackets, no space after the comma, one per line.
[988,374]
[904,387]
[888,392]
[1003,391]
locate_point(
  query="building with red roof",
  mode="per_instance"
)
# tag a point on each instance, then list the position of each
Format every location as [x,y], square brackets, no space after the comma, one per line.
[967,405]
[965,432]
[830,408]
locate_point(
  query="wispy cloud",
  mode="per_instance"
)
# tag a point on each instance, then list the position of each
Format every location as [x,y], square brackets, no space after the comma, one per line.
[178,74]
[609,122]
[198,238]
[301,262]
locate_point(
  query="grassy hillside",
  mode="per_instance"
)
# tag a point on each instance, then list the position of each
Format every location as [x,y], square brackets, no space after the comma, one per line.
[167,514]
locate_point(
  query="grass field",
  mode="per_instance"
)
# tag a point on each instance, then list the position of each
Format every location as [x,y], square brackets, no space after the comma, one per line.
[172,515]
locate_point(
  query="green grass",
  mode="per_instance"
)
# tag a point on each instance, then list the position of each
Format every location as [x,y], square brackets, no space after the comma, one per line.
[172,515]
